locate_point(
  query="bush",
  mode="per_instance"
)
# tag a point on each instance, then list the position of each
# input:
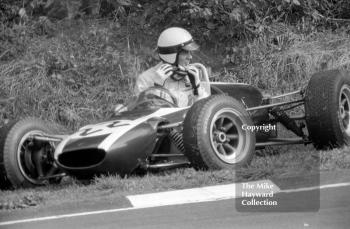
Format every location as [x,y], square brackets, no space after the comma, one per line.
[73,78]
[74,71]
[234,20]
[288,64]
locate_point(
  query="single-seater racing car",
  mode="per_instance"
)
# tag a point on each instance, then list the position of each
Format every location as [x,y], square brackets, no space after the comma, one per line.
[221,131]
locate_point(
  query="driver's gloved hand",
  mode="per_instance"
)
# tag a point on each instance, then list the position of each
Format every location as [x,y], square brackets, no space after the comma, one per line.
[194,72]
[165,71]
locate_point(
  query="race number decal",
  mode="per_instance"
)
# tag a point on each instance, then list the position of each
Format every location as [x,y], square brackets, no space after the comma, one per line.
[104,128]
[117,124]
[89,131]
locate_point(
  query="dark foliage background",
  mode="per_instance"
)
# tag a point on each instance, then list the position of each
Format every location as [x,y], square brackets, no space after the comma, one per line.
[69,61]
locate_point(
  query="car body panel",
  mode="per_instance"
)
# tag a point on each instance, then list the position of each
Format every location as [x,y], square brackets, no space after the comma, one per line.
[115,146]
[245,93]
[121,143]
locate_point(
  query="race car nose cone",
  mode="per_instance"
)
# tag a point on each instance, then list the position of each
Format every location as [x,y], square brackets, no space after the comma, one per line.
[81,158]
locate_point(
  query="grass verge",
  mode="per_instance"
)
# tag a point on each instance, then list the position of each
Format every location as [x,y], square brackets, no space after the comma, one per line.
[290,161]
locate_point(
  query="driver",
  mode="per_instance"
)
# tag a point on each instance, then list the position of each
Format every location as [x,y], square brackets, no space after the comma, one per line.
[174,72]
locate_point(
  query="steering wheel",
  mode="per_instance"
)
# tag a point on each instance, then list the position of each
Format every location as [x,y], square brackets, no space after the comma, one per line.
[161,93]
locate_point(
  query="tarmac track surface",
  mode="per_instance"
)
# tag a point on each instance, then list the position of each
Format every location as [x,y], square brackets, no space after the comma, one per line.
[332,212]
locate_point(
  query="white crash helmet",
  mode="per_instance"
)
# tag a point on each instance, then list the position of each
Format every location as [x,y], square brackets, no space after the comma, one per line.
[171,41]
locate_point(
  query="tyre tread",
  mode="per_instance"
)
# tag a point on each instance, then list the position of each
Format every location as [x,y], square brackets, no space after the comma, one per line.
[320,107]
[8,139]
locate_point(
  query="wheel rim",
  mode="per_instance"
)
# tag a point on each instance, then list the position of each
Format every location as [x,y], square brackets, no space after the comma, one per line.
[35,162]
[344,108]
[227,137]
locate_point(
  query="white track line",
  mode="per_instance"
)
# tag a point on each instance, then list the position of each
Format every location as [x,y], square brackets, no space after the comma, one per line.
[195,195]
[212,188]
[316,187]
[65,216]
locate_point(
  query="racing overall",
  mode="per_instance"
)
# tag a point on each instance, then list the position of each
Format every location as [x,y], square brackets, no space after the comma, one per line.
[181,89]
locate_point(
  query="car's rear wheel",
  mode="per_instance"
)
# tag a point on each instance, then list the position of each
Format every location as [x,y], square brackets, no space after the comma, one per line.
[25,161]
[327,109]
[213,134]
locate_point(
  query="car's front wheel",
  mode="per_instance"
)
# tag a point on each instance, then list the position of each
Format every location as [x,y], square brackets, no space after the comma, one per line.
[25,161]
[214,134]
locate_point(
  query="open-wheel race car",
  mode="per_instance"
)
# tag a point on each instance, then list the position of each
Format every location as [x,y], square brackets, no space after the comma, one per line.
[221,131]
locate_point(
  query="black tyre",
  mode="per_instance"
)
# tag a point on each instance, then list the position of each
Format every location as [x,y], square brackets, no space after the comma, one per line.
[4,181]
[26,161]
[213,134]
[327,109]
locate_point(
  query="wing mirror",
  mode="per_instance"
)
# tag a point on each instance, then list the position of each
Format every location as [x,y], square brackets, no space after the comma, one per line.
[120,107]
